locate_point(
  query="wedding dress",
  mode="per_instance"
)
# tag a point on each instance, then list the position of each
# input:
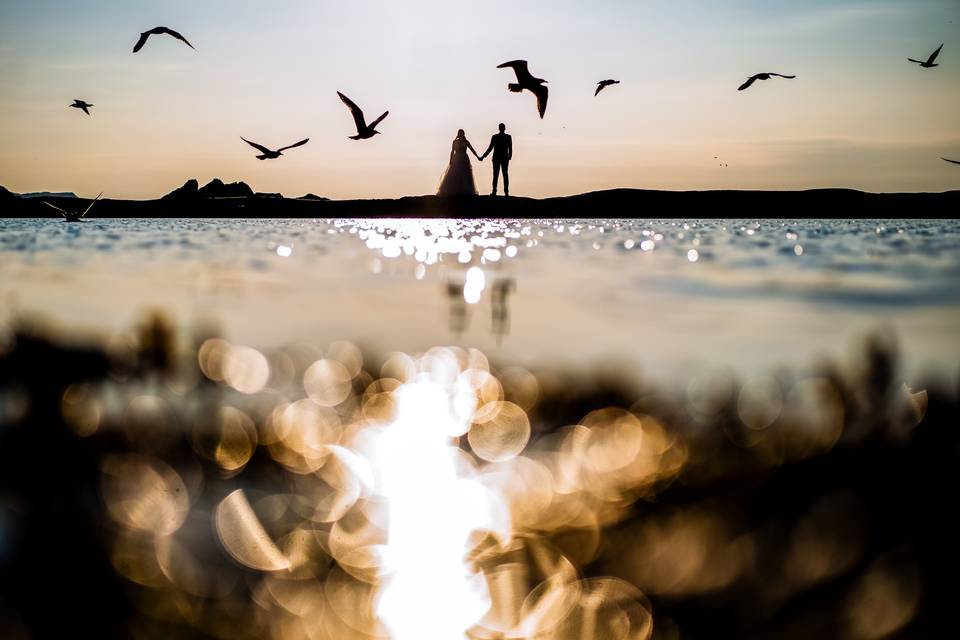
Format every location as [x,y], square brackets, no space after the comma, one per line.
[458,178]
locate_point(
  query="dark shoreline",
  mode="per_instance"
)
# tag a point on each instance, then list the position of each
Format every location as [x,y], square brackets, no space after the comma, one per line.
[629,203]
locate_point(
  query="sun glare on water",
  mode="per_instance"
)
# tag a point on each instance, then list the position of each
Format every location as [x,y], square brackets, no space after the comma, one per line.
[429,591]
[433,501]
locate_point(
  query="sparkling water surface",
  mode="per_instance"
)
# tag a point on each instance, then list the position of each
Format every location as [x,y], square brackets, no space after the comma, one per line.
[480,429]
[658,293]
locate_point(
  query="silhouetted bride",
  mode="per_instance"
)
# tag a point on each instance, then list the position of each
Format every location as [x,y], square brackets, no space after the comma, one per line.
[458,178]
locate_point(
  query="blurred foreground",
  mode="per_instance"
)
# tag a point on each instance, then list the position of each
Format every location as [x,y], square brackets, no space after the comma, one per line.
[165,486]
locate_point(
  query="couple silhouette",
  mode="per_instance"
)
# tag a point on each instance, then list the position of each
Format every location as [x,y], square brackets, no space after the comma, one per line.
[458,178]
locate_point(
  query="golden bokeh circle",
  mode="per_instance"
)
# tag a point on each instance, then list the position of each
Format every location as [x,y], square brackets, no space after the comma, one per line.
[502,436]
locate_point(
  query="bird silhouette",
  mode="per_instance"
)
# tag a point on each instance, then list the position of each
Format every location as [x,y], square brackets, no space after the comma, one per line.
[80,104]
[951,161]
[930,61]
[269,154]
[526,81]
[603,84]
[364,130]
[761,76]
[69,216]
[157,31]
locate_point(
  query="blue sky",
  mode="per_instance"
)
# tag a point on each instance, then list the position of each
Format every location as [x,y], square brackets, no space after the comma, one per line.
[858,115]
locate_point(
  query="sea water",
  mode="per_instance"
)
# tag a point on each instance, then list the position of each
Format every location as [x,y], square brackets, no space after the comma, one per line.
[389,428]
[663,296]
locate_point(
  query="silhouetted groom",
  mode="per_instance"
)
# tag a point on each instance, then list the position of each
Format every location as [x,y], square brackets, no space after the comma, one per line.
[502,146]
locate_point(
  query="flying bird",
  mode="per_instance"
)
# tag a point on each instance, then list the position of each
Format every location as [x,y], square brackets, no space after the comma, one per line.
[951,161]
[761,76]
[364,130]
[73,217]
[604,84]
[930,61]
[526,81]
[157,31]
[269,154]
[80,104]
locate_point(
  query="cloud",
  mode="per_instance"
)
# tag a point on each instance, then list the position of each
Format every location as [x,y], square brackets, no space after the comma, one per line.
[859,145]
[74,66]
[840,16]
[114,66]
[875,165]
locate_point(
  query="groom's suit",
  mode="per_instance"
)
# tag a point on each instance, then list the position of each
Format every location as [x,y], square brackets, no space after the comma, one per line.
[502,145]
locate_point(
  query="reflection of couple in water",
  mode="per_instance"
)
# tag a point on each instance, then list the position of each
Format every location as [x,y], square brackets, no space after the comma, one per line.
[458,178]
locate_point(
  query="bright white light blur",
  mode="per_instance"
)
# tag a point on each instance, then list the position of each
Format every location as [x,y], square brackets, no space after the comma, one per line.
[284,251]
[429,240]
[432,513]
[474,285]
[693,255]
[392,250]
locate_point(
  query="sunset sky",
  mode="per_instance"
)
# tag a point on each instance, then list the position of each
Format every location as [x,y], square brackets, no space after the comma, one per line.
[858,115]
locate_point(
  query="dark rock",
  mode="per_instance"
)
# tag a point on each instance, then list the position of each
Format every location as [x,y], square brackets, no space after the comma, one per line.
[217,189]
[213,189]
[188,190]
[268,195]
[311,196]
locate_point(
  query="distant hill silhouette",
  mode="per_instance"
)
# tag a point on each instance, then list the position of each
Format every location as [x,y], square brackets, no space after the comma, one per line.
[188,190]
[49,194]
[238,200]
[8,196]
[216,188]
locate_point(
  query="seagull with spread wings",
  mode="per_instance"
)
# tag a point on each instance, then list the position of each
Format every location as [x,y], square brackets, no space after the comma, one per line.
[603,84]
[525,80]
[73,217]
[81,104]
[364,130]
[929,61]
[270,154]
[157,31]
[761,76]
